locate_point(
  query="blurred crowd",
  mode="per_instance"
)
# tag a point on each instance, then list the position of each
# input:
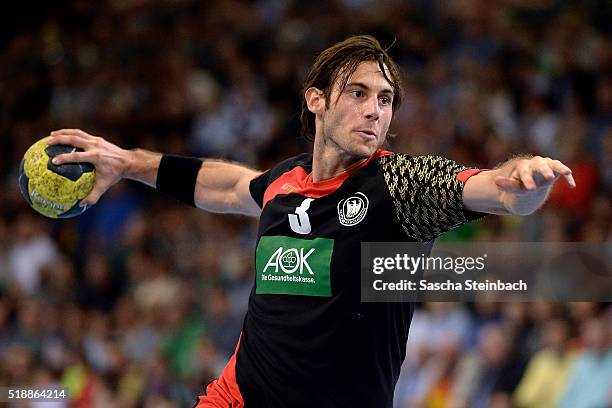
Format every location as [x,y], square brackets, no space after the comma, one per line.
[139,302]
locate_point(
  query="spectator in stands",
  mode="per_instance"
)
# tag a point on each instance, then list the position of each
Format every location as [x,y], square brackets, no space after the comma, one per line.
[547,372]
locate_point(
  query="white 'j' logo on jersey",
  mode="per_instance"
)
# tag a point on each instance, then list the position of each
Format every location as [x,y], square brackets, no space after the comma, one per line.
[299,222]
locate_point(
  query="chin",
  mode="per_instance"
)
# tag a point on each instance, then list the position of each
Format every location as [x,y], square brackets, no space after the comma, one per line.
[362,151]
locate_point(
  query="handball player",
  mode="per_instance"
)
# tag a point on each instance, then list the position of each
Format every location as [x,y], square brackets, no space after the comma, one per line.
[307,339]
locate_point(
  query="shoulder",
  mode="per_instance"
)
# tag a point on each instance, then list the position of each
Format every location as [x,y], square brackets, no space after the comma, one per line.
[388,158]
[402,159]
[303,160]
[420,168]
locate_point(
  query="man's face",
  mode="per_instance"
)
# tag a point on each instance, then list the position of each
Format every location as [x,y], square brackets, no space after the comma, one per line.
[358,118]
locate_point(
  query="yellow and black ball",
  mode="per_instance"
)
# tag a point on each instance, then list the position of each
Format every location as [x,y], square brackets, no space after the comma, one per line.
[54,191]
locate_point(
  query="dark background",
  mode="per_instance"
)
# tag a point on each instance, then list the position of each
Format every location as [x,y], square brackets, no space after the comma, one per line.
[139,301]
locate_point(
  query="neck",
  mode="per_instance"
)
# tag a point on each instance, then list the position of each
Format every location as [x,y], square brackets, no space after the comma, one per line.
[328,160]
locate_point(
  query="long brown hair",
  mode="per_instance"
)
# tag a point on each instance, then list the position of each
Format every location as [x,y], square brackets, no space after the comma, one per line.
[340,61]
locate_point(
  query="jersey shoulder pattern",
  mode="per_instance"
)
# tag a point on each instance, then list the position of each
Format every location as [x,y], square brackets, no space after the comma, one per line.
[426,194]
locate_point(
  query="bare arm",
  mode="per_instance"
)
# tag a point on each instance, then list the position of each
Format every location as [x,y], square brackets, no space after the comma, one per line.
[220,187]
[518,187]
[224,187]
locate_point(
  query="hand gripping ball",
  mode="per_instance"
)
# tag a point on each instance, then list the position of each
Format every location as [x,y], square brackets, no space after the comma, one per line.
[54,191]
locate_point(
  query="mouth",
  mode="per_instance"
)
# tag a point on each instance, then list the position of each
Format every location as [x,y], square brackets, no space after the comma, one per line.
[366,133]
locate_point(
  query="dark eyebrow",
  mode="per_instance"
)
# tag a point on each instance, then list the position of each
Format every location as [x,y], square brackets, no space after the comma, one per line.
[364,86]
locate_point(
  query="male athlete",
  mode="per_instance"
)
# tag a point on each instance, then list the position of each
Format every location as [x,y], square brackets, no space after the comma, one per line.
[307,339]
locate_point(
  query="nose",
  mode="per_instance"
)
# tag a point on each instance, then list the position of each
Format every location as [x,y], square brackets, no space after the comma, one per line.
[371,108]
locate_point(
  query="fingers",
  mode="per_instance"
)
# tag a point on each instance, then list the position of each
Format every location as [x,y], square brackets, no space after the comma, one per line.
[564,171]
[74,157]
[538,172]
[545,171]
[552,169]
[108,159]
[93,196]
[559,167]
[73,137]
[68,140]
[532,174]
[72,132]
[525,174]
[569,179]
[76,138]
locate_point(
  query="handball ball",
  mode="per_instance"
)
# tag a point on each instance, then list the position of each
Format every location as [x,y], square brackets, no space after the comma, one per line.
[54,191]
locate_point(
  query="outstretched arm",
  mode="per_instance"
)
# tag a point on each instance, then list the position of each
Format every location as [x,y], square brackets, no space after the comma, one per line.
[518,187]
[220,186]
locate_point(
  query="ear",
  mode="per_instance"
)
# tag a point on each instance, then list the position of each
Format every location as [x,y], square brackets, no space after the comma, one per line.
[315,100]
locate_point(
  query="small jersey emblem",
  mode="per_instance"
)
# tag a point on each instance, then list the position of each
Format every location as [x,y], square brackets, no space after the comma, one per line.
[352,211]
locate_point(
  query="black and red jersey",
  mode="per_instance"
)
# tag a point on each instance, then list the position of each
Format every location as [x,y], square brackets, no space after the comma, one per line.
[308,340]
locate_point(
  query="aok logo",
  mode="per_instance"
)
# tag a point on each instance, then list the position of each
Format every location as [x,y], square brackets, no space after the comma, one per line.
[293,266]
[290,260]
